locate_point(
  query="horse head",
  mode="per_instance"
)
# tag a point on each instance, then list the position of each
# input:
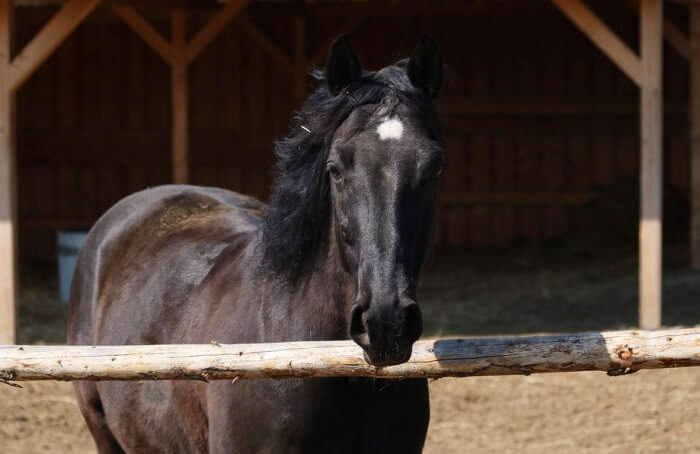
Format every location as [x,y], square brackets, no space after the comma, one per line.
[383,166]
[363,174]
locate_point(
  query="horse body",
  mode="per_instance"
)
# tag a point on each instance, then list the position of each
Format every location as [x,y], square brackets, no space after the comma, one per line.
[143,238]
[184,264]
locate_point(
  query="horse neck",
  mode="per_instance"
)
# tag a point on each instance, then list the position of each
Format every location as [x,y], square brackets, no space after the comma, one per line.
[327,295]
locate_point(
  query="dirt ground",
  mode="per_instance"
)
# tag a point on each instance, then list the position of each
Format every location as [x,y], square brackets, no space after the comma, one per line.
[521,290]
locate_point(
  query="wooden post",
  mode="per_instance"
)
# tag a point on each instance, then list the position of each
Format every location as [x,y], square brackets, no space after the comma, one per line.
[646,72]
[651,163]
[695,134]
[8,209]
[13,73]
[178,88]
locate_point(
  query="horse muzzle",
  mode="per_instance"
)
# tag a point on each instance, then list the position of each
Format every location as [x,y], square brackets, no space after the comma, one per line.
[386,332]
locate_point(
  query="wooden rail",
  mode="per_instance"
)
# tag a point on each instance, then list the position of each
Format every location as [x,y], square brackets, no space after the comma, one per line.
[616,353]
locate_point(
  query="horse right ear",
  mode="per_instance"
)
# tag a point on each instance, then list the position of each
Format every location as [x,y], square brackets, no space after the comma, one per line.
[343,66]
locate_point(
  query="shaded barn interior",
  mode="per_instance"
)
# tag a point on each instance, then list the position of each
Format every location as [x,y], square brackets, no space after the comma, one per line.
[539,125]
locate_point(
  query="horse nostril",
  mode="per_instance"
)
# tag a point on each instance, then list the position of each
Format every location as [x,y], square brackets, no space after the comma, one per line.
[358,331]
[413,322]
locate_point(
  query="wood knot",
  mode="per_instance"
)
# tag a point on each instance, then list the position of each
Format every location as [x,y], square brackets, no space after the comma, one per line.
[616,372]
[624,352]
[6,376]
[560,349]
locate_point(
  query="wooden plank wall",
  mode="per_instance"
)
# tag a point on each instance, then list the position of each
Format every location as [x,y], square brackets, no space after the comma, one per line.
[94,121]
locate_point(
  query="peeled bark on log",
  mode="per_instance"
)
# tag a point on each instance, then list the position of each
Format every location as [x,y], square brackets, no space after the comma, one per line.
[612,352]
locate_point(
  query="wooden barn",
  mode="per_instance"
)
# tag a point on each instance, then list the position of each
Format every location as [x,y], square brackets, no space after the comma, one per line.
[548,107]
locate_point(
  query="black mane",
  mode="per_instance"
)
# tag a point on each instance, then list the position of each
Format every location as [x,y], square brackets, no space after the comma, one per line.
[296,223]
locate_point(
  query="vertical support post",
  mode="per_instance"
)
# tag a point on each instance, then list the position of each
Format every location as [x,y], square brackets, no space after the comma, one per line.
[651,183]
[178,86]
[8,209]
[695,134]
[300,59]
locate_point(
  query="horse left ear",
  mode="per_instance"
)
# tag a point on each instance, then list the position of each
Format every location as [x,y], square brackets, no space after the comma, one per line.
[425,66]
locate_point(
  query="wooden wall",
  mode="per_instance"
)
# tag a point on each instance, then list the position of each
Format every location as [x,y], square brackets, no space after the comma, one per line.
[531,107]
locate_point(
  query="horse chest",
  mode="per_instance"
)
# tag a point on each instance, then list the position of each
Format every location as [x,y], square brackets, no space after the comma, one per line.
[320,415]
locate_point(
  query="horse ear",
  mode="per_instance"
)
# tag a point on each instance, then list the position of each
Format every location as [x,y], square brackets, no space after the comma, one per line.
[343,66]
[425,66]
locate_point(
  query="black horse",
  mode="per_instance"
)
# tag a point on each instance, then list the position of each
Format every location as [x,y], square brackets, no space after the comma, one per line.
[336,253]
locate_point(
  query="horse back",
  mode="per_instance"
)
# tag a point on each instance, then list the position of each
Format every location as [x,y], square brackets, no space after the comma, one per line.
[147,257]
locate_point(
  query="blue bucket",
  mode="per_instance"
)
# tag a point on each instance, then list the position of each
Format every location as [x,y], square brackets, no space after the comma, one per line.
[69,244]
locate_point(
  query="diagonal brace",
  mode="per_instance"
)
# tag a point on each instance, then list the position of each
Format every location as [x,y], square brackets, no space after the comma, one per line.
[48,39]
[606,40]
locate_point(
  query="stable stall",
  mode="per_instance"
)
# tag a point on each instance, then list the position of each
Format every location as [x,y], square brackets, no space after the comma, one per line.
[101,98]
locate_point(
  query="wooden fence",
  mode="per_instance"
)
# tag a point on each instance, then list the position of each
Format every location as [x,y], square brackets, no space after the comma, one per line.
[617,353]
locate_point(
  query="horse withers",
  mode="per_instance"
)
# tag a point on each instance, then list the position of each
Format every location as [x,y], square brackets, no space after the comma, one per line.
[335,254]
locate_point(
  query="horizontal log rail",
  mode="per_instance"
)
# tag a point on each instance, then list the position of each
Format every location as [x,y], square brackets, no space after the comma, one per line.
[616,353]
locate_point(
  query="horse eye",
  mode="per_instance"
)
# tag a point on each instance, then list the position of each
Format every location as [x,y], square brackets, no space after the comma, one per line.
[335,173]
[435,172]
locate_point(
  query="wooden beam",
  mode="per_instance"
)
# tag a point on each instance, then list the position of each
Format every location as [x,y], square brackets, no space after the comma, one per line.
[543,106]
[602,36]
[676,39]
[265,43]
[49,38]
[365,9]
[8,184]
[651,164]
[215,25]
[178,86]
[695,134]
[615,352]
[300,73]
[516,198]
[141,27]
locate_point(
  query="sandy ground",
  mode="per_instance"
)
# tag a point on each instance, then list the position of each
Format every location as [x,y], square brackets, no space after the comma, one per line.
[648,412]
[488,292]
[42,417]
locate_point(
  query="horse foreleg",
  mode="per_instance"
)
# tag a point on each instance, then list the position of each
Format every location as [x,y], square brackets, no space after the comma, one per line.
[91,408]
